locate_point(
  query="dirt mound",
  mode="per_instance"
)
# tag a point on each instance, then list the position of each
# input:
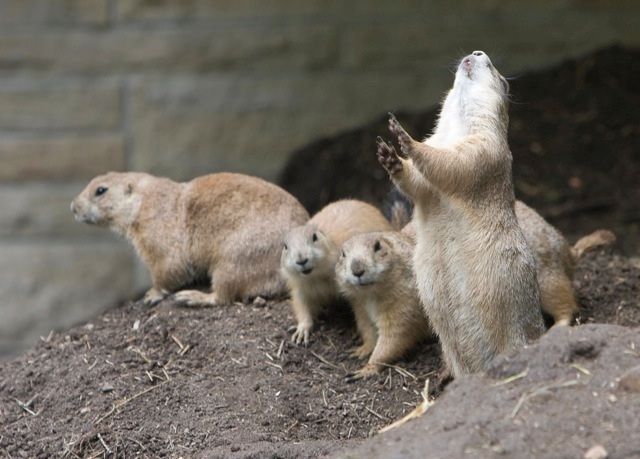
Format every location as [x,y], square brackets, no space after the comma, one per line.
[576,388]
[574,134]
[226,381]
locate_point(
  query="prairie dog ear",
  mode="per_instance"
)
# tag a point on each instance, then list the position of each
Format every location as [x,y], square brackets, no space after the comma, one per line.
[129,188]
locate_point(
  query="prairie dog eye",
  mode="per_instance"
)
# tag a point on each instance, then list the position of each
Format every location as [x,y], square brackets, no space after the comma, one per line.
[377,247]
[285,247]
[343,254]
[101,190]
[314,238]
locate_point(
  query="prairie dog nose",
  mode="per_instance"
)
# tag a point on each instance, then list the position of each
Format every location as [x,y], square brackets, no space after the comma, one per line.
[357,269]
[477,53]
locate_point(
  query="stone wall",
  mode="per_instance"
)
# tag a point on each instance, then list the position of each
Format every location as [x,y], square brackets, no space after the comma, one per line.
[185,87]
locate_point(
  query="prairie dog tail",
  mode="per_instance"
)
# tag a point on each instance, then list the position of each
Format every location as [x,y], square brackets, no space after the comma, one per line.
[592,241]
[398,209]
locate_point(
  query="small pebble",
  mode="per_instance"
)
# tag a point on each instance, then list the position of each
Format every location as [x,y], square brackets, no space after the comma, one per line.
[259,302]
[105,388]
[596,452]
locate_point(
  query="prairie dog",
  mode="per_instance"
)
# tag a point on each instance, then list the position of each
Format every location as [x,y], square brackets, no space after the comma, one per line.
[224,227]
[310,254]
[556,261]
[374,273]
[475,272]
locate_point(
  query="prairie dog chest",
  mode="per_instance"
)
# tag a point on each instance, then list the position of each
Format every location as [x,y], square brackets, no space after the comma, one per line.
[372,307]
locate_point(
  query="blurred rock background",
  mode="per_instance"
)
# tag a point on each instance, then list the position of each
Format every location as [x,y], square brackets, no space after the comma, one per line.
[183,88]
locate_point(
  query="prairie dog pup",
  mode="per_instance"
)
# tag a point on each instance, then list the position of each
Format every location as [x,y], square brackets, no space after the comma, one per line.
[374,273]
[556,261]
[475,272]
[224,227]
[310,254]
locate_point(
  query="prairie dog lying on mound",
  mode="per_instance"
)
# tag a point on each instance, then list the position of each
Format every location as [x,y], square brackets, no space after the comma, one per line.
[226,227]
[475,272]
[310,254]
[374,273]
[556,261]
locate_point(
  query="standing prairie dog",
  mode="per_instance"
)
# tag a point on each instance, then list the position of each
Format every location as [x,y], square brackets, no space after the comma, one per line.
[224,227]
[374,273]
[475,272]
[310,254]
[555,260]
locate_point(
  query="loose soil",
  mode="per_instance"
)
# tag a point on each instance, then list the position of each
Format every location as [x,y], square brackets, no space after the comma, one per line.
[575,390]
[574,134]
[219,382]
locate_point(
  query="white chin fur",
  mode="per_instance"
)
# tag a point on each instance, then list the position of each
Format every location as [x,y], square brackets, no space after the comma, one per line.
[298,271]
[360,281]
[88,219]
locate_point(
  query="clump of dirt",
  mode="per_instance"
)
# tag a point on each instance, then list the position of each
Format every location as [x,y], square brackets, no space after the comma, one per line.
[575,390]
[220,382]
[574,134]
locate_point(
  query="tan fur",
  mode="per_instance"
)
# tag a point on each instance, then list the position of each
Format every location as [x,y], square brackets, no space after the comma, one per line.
[375,275]
[475,271]
[554,264]
[598,238]
[556,261]
[313,290]
[225,227]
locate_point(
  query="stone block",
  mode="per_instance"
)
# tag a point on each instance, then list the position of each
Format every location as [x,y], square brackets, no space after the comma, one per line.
[53,12]
[78,157]
[181,49]
[55,285]
[42,104]
[250,125]
[206,10]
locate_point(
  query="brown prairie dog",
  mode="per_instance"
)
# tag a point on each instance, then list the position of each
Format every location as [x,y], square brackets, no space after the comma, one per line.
[555,261]
[311,251]
[374,273]
[475,272]
[224,227]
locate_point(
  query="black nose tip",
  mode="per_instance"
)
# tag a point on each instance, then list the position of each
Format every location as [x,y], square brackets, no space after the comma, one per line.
[478,53]
[302,262]
[358,272]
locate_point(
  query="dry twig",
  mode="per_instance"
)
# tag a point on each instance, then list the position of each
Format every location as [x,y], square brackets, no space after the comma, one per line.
[378,415]
[512,378]
[104,444]
[417,412]
[539,391]
[119,404]
[325,361]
